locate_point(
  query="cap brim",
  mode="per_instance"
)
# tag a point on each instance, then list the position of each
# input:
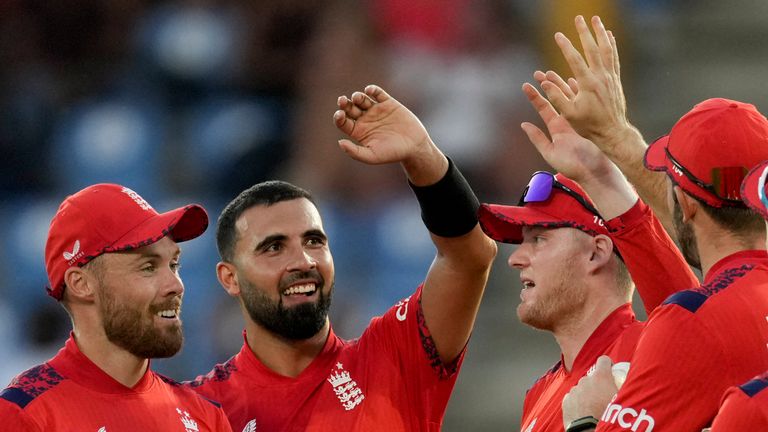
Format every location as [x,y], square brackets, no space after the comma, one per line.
[655,156]
[505,223]
[181,224]
[750,189]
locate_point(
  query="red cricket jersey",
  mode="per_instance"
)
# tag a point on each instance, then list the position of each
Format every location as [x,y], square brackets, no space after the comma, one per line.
[744,408]
[390,379]
[697,344]
[618,334]
[71,393]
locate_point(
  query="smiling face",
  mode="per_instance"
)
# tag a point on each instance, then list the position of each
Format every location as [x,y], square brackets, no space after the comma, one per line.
[551,274]
[284,268]
[139,299]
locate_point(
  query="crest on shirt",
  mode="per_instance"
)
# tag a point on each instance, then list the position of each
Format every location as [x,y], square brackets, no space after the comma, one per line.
[250,426]
[189,424]
[346,388]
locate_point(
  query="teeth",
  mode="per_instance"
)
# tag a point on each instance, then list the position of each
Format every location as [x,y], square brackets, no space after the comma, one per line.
[169,313]
[528,284]
[300,289]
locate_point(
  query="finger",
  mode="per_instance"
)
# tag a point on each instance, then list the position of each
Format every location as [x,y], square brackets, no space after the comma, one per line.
[538,138]
[591,50]
[362,100]
[603,41]
[377,93]
[356,152]
[555,96]
[603,365]
[344,123]
[616,66]
[572,56]
[539,76]
[574,85]
[557,80]
[350,108]
[542,106]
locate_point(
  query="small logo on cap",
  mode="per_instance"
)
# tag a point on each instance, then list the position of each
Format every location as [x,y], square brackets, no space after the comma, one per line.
[74,255]
[137,198]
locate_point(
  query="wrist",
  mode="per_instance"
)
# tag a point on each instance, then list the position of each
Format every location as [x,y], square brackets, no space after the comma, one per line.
[426,166]
[582,424]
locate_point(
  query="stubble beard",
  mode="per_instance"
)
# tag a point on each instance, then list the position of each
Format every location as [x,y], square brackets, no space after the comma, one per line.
[563,301]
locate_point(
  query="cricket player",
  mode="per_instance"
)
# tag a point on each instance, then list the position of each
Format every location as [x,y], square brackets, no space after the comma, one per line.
[745,407]
[704,339]
[113,264]
[293,372]
[587,311]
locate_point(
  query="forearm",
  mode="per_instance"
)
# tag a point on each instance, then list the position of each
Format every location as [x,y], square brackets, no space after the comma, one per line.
[627,150]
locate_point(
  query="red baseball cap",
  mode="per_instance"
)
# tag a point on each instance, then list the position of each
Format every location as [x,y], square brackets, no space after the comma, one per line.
[562,210]
[110,218]
[710,149]
[753,189]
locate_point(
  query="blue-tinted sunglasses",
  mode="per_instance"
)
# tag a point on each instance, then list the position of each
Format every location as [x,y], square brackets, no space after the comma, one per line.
[761,188]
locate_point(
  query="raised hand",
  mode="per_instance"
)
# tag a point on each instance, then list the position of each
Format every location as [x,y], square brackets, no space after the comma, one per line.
[596,107]
[383,129]
[577,157]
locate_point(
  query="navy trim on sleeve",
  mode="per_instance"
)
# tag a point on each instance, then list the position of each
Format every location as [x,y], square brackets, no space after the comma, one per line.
[16,396]
[688,299]
[754,387]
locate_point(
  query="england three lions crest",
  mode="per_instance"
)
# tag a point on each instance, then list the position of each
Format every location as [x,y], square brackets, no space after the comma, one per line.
[346,389]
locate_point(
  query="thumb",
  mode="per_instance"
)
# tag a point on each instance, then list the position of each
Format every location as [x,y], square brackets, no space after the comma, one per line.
[538,138]
[603,365]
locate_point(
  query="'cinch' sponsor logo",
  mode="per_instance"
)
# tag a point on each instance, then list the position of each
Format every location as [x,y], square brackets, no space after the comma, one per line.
[628,418]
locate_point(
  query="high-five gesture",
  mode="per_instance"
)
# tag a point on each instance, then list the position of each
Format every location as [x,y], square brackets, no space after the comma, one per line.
[385,131]
[595,106]
[578,158]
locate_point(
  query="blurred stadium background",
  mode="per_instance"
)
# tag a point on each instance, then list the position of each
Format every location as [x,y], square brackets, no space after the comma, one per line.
[194,100]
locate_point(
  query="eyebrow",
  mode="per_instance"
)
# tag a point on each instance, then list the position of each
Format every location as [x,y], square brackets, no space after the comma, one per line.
[281,237]
[154,255]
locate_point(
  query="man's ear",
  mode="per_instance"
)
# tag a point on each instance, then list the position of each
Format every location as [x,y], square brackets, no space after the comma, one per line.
[602,251]
[227,275]
[80,284]
[688,204]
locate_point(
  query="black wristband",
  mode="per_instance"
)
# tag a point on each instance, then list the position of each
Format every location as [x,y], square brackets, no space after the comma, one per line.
[582,424]
[448,207]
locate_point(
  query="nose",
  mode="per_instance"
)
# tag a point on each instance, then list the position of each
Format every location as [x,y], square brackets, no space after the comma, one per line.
[173,285]
[302,260]
[518,259]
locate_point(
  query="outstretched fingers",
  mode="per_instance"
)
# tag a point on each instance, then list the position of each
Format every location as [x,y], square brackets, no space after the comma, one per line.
[615,49]
[538,138]
[572,57]
[542,106]
[603,42]
[591,49]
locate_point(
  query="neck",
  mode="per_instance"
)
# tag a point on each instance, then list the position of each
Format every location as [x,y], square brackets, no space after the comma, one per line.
[573,333]
[124,367]
[282,356]
[719,243]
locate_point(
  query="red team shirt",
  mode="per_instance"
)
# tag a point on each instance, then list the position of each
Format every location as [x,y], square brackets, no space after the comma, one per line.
[744,408]
[390,379]
[697,344]
[71,393]
[618,334]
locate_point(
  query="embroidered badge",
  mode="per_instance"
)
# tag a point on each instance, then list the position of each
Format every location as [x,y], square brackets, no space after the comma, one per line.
[189,424]
[346,388]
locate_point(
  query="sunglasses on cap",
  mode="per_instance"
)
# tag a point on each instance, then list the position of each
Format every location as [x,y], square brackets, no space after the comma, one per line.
[726,181]
[540,187]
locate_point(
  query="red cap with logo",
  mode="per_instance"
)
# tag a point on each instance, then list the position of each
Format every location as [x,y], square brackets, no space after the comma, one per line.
[561,210]
[110,218]
[710,149]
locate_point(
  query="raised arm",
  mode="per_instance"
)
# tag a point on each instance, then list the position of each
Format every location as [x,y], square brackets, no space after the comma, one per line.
[644,245]
[598,112]
[385,131]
